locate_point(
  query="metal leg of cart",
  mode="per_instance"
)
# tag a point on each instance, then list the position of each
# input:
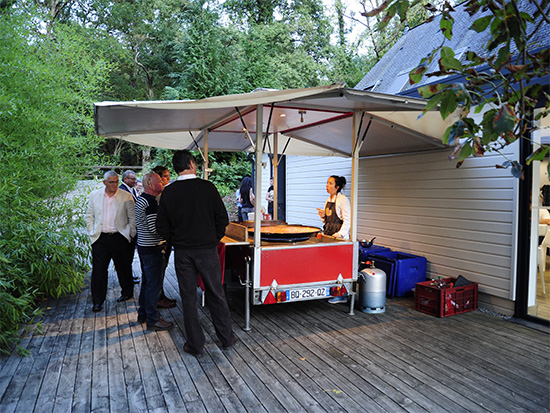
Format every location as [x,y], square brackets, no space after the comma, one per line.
[352,305]
[248,285]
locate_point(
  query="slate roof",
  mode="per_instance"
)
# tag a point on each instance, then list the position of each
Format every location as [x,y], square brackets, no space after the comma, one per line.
[390,74]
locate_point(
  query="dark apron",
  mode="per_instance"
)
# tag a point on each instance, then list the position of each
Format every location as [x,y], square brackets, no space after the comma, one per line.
[332,222]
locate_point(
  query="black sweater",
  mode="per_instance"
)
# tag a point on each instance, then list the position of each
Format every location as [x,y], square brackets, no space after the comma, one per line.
[191,214]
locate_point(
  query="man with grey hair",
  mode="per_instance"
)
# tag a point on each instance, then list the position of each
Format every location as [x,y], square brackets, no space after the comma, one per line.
[128,184]
[111,225]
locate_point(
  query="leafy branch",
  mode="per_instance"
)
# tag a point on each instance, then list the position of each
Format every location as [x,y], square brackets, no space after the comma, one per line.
[495,100]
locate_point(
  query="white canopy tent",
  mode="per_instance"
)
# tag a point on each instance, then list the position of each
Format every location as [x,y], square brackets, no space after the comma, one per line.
[314,121]
[321,121]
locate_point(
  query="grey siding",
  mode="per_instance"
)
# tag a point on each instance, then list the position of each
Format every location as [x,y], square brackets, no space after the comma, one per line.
[462,220]
[306,180]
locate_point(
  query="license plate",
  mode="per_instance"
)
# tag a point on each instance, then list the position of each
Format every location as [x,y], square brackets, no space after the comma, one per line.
[307,293]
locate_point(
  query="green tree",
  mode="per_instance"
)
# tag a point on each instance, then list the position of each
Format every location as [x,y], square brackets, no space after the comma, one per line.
[47,86]
[502,80]
[208,56]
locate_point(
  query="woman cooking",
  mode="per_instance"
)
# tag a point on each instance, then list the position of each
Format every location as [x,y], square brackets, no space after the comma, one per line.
[336,217]
[336,214]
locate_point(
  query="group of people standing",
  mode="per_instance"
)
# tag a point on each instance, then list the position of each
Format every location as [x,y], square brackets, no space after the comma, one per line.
[189,216]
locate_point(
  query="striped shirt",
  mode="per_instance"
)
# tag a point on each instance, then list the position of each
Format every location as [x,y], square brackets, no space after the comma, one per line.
[146,216]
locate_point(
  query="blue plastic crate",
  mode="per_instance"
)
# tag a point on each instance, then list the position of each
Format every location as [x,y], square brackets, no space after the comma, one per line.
[402,270]
[365,253]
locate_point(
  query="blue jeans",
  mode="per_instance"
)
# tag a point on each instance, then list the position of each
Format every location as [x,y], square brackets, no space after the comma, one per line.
[151,285]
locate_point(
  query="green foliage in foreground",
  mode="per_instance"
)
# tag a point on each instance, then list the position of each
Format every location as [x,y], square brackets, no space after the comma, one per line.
[47,85]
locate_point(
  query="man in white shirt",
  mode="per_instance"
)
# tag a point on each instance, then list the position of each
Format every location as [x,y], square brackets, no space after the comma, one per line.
[111,225]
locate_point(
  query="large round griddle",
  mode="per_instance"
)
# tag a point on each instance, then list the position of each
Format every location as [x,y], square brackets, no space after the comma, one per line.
[286,233]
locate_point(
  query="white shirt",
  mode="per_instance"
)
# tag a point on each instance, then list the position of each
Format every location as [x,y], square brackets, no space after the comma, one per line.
[109,213]
[186,176]
[131,190]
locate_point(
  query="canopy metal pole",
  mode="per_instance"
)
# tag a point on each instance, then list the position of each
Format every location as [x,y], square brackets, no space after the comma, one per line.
[257,194]
[275,173]
[354,198]
[205,160]
[354,175]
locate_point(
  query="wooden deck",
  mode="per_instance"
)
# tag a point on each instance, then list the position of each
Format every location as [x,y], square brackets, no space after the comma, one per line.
[301,357]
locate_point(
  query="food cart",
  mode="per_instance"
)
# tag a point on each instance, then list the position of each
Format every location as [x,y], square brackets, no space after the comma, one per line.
[322,121]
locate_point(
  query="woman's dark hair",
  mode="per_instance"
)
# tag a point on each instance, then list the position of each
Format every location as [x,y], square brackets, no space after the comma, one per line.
[246,185]
[339,182]
[182,160]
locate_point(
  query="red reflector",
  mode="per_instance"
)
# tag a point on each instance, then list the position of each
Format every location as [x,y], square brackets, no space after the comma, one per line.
[281,296]
[270,299]
[344,290]
[336,291]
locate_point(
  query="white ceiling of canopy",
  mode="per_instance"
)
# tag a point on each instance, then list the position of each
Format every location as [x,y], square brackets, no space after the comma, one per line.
[314,121]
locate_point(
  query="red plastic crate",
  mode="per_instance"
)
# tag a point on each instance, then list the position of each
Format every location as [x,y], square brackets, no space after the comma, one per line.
[445,302]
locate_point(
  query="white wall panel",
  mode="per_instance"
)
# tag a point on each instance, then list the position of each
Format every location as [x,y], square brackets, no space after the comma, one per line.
[306,180]
[461,219]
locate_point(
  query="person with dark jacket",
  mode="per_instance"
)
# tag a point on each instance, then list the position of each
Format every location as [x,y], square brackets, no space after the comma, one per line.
[128,184]
[192,217]
[246,198]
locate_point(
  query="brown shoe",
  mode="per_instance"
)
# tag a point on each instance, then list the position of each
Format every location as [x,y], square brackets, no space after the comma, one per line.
[188,349]
[166,304]
[231,345]
[160,325]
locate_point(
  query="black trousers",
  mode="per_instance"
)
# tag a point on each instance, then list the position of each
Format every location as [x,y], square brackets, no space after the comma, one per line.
[106,248]
[206,262]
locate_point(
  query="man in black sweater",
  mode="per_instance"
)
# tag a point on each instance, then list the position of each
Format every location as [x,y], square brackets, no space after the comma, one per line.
[192,217]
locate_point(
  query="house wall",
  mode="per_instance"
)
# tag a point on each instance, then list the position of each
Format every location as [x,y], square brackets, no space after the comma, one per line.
[462,220]
[306,179]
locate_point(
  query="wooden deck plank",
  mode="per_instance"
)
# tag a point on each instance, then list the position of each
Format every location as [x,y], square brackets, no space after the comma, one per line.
[446,355]
[118,398]
[225,361]
[306,356]
[83,384]
[279,367]
[319,363]
[402,360]
[200,372]
[376,369]
[100,369]
[487,365]
[250,348]
[340,354]
[67,378]
[64,315]
[23,389]
[151,386]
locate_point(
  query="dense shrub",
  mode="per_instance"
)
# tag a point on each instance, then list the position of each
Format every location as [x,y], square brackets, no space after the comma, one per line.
[47,86]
